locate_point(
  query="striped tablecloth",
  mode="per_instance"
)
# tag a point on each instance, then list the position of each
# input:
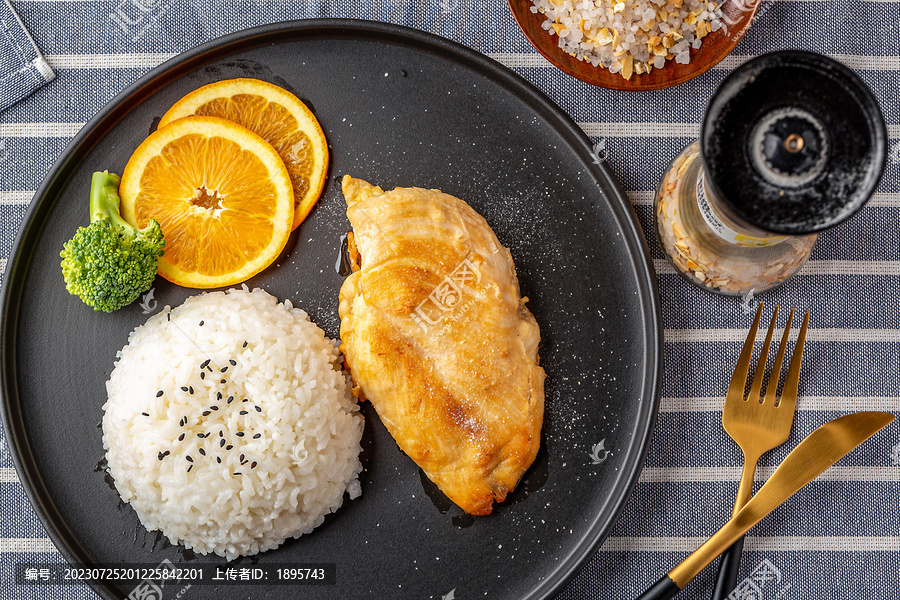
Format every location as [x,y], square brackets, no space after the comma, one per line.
[840,537]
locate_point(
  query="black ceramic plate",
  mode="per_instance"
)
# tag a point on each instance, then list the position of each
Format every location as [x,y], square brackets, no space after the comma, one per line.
[400,108]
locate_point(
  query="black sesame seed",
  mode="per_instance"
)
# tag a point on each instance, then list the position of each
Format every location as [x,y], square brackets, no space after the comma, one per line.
[181,438]
[233,362]
[223,369]
[244,400]
[223,381]
[243,412]
[237,472]
[191,389]
[168,317]
[189,468]
[240,434]
[159,393]
[184,388]
[258,409]
[245,345]
[243,463]
[206,413]
[209,368]
[241,458]
[221,442]
[214,407]
[218,460]
[229,447]
[201,323]
[204,363]
[202,374]
[189,459]
[221,434]
[202,452]
[253,465]
[201,435]
[160,456]
[230,399]
[257,436]
[145,414]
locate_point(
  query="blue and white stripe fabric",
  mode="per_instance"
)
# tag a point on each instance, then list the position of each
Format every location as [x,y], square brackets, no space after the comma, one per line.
[22,68]
[840,536]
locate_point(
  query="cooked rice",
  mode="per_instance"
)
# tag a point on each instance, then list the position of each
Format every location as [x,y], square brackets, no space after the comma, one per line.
[183,465]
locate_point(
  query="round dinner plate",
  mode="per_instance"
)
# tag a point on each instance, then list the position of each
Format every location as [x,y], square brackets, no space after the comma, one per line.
[399,108]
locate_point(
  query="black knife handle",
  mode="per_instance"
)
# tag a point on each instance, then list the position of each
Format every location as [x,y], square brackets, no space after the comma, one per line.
[663,589]
[726,580]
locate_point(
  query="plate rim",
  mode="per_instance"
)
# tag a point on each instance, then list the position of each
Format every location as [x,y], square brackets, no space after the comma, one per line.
[56,178]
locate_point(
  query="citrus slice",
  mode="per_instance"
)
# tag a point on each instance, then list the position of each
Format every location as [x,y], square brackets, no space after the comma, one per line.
[276,115]
[221,195]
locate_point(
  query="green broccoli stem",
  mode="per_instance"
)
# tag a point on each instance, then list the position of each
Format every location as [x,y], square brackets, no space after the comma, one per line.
[105,200]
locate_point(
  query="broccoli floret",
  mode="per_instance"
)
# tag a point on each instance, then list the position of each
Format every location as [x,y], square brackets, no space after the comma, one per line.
[109,263]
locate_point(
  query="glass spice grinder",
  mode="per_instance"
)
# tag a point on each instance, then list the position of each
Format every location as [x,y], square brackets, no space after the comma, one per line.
[792,143]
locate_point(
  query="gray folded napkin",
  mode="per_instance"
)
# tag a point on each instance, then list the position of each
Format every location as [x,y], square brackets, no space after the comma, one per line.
[22,68]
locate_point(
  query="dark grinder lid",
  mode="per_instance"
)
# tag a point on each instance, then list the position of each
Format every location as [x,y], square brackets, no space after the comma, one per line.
[793,142]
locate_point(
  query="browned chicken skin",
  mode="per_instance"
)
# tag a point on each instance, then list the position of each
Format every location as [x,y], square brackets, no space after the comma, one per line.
[438,339]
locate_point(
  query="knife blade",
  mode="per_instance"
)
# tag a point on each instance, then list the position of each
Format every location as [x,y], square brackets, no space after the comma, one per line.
[821,449]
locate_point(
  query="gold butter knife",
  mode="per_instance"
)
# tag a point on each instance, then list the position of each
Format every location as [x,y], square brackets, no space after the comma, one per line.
[821,449]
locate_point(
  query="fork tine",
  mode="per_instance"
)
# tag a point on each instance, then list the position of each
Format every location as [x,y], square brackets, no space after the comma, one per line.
[756,386]
[779,359]
[739,377]
[791,381]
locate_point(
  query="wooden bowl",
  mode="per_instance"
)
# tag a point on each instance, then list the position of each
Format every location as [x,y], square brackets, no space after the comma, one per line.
[715,47]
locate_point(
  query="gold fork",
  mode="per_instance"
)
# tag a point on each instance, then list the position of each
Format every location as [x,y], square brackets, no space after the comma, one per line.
[757,424]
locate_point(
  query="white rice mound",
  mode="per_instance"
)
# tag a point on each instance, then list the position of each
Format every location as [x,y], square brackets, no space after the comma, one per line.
[300,447]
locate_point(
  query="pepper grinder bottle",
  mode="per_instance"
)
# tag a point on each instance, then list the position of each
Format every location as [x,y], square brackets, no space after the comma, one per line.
[792,143]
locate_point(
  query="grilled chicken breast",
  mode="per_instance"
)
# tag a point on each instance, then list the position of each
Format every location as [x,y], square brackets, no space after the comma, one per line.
[438,339]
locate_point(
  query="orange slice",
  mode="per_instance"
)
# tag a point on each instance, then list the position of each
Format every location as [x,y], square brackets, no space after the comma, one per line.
[221,195]
[276,115]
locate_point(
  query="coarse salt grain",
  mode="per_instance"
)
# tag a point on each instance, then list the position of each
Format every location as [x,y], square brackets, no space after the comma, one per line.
[631,36]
